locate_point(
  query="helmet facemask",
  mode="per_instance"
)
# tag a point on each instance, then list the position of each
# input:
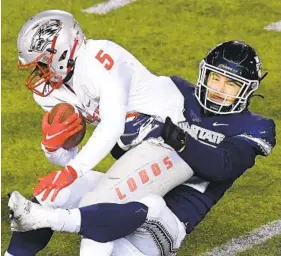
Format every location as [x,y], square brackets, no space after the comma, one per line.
[239,67]
[43,79]
[241,98]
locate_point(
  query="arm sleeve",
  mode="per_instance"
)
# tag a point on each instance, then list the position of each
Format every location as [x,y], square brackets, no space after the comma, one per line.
[114,94]
[46,103]
[233,156]
[117,152]
[61,156]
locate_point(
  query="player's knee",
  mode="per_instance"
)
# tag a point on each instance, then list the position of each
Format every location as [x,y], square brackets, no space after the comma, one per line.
[90,198]
[84,201]
[155,204]
[87,199]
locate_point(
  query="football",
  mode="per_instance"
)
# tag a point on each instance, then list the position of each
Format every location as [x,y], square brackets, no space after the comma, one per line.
[75,139]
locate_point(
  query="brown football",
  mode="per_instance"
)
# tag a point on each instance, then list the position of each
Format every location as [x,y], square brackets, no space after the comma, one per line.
[75,139]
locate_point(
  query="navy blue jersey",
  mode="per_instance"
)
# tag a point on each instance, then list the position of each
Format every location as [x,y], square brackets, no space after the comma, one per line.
[223,148]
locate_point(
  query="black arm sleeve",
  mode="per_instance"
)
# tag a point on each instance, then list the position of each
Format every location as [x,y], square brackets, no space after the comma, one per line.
[117,152]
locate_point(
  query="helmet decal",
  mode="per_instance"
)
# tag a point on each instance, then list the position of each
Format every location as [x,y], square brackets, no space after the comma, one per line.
[45,35]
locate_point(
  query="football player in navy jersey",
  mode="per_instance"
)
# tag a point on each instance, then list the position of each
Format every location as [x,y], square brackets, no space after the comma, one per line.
[219,139]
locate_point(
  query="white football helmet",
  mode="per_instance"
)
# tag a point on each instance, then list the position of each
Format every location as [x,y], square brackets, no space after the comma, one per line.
[48,43]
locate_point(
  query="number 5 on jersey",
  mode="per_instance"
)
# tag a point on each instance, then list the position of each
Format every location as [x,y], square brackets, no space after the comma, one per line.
[105,59]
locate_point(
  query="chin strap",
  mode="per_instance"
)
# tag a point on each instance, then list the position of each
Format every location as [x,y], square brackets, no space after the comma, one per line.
[71,61]
[68,76]
[264,75]
[251,97]
[258,95]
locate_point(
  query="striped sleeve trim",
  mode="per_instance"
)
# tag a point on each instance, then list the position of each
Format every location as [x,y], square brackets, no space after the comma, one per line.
[265,146]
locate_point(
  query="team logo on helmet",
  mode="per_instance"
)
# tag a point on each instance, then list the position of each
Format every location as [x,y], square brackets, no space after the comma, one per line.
[44,35]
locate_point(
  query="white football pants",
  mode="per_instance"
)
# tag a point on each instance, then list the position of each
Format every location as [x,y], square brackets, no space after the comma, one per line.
[147,169]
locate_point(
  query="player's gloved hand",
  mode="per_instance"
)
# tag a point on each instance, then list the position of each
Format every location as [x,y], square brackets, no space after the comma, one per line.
[56,133]
[56,180]
[174,136]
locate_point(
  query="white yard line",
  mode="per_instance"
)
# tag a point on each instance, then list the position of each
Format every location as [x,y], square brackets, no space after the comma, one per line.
[274,26]
[107,6]
[257,236]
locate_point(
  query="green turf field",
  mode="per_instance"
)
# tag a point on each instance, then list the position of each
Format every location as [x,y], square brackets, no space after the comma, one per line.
[169,37]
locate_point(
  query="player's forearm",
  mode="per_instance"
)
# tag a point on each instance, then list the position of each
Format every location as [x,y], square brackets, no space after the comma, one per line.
[61,156]
[224,163]
[98,146]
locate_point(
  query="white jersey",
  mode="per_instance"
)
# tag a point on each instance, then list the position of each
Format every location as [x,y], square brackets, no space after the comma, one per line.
[109,82]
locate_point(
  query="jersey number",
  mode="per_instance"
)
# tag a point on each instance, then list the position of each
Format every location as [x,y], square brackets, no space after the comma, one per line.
[105,59]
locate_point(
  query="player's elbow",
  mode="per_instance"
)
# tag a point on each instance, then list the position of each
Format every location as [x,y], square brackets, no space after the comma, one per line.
[231,166]
[221,174]
[61,156]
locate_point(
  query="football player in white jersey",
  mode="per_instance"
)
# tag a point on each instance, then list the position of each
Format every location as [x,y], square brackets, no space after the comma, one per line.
[106,83]
[98,76]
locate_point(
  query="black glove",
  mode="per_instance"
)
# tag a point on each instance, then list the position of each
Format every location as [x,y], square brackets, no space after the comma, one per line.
[174,136]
